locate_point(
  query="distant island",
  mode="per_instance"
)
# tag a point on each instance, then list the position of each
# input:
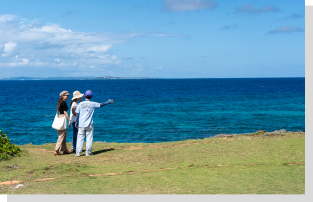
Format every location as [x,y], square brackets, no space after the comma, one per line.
[74,78]
[118,78]
[110,77]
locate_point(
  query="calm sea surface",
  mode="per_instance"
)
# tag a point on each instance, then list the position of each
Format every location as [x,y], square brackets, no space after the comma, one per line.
[157,110]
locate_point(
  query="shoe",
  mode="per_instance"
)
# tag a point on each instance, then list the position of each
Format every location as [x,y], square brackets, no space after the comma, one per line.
[77,155]
[89,154]
[73,151]
[66,152]
[57,153]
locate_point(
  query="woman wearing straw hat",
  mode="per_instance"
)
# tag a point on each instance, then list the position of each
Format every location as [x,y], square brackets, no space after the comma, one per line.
[77,96]
[62,109]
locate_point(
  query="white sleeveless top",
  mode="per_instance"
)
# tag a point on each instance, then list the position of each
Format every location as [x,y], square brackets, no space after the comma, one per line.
[72,117]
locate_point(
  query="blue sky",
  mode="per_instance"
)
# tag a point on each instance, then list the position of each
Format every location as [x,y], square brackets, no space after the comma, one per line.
[160,38]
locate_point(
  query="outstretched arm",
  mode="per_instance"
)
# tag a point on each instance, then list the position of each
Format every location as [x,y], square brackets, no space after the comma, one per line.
[105,103]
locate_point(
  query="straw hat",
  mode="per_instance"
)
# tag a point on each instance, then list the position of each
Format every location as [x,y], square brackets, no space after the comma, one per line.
[77,94]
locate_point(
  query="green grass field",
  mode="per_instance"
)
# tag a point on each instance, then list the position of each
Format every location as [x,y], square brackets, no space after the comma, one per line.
[243,164]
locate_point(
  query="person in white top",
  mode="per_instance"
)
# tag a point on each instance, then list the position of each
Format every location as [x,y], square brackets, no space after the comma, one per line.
[77,96]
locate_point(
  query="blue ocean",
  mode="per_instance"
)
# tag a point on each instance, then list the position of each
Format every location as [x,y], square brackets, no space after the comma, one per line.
[156,110]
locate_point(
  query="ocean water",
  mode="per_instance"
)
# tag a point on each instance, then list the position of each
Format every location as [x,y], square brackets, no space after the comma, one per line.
[156,110]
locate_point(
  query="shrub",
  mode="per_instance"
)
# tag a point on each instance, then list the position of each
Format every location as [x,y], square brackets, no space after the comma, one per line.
[7,149]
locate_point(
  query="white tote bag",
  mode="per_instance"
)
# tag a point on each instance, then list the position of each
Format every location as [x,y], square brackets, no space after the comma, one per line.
[59,123]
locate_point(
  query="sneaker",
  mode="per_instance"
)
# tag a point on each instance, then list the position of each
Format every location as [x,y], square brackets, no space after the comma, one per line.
[89,154]
[77,155]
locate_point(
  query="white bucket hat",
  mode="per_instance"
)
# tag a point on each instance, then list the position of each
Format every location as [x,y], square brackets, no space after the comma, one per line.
[77,94]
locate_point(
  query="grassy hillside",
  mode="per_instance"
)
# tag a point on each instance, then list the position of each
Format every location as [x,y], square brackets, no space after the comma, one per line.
[257,163]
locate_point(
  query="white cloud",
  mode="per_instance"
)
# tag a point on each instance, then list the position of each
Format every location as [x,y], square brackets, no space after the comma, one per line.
[21,62]
[187,5]
[294,16]
[38,63]
[249,8]
[25,61]
[103,48]
[7,17]
[159,67]
[50,28]
[9,48]
[227,27]
[286,29]
[26,43]
[50,44]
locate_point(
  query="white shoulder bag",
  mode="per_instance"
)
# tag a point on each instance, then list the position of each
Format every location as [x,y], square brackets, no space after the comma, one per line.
[59,123]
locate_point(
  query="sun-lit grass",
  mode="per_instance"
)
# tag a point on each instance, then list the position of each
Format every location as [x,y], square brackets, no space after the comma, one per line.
[244,164]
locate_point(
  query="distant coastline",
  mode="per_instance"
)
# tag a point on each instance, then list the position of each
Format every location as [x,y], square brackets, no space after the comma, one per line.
[73,78]
[116,78]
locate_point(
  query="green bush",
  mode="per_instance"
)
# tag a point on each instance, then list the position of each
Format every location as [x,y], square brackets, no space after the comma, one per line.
[7,149]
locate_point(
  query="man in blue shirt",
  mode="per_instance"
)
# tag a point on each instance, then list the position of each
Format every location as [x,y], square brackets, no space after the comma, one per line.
[84,113]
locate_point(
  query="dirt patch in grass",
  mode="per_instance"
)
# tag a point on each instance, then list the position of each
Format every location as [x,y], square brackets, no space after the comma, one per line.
[178,144]
[133,147]
[228,139]
[10,182]
[43,179]
[37,150]
[103,174]
[153,146]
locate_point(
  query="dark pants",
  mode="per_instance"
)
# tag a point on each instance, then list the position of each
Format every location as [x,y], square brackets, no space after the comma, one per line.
[74,140]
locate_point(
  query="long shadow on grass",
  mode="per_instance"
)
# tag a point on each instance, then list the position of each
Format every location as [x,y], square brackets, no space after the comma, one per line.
[102,151]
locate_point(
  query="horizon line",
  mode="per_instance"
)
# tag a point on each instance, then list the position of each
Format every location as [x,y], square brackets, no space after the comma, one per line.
[94,77]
